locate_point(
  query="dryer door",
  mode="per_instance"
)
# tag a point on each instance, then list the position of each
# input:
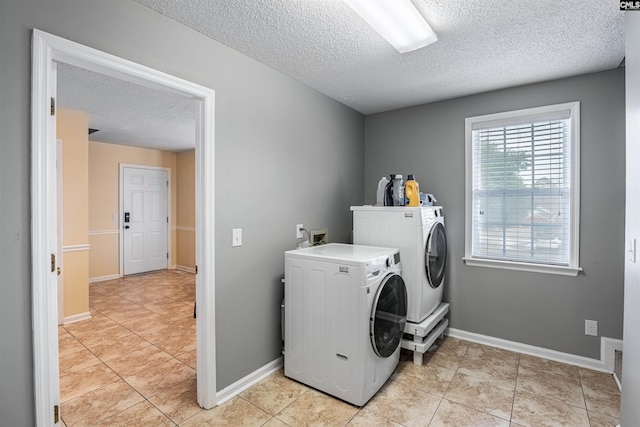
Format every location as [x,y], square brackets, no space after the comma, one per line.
[436,255]
[388,315]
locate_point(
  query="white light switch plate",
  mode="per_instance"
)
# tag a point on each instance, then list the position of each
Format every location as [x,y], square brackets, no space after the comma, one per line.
[237,237]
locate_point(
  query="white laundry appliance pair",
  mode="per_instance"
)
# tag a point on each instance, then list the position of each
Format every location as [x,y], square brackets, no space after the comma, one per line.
[419,234]
[345,312]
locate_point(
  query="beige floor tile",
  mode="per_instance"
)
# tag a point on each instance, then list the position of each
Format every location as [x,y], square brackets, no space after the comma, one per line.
[503,371]
[598,382]
[608,404]
[107,350]
[178,402]
[107,335]
[532,410]
[453,414]
[366,418]
[138,360]
[601,420]
[77,383]
[77,361]
[67,344]
[316,408]
[131,315]
[236,412]
[443,358]
[274,393]
[548,366]
[457,346]
[112,304]
[433,379]
[481,395]
[89,326]
[99,404]
[160,377]
[144,320]
[172,309]
[559,387]
[189,358]
[403,404]
[274,422]
[488,352]
[141,414]
[162,332]
[178,344]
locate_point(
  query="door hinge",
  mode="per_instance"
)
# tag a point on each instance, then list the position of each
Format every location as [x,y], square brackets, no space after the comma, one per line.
[53,106]
[196,269]
[56,414]
[53,262]
[167,255]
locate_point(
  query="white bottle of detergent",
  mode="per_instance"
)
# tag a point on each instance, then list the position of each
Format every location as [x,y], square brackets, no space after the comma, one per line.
[382,185]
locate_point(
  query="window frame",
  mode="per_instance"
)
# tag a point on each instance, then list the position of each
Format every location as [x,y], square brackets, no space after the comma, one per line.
[573,268]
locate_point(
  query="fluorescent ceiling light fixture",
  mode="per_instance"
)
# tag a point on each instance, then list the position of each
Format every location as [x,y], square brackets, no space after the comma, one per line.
[398,21]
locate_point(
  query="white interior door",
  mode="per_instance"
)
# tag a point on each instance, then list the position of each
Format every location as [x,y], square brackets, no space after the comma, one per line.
[60,271]
[144,219]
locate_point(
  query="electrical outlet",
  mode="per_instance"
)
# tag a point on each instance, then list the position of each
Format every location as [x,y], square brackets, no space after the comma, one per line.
[236,237]
[591,327]
[299,228]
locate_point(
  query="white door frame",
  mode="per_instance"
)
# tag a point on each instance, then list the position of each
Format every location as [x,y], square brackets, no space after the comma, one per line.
[47,48]
[121,210]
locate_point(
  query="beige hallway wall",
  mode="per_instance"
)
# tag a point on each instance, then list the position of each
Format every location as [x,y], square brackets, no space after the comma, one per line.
[72,129]
[104,172]
[186,218]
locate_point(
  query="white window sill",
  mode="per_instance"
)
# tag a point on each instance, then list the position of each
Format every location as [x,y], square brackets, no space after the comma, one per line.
[523,266]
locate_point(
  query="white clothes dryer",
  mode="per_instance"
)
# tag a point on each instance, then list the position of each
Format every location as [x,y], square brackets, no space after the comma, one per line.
[345,312]
[419,233]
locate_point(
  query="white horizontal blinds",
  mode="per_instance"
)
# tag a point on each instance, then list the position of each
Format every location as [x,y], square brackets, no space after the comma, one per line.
[521,189]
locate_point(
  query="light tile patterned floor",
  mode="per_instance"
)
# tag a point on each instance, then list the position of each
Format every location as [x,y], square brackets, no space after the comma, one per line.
[133,364]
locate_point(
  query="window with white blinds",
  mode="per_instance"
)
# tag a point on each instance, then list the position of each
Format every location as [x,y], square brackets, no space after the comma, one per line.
[523,189]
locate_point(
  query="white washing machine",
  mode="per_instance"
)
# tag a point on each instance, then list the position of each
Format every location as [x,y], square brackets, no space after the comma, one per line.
[420,235]
[345,311]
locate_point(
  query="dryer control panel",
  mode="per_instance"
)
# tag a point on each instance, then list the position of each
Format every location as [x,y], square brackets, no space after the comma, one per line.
[378,266]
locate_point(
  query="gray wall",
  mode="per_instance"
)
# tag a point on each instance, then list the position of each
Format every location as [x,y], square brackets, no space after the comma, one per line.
[532,308]
[285,154]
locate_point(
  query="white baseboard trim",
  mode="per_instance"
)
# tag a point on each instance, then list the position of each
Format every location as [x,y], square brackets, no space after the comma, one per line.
[187,269]
[76,318]
[244,383]
[103,278]
[558,356]
[608,347]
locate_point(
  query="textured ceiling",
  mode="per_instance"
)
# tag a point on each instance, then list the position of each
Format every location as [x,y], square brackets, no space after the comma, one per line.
[482,45]
[127,113]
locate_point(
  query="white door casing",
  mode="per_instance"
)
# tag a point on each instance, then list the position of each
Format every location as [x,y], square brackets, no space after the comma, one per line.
[630,410]
[47,48]
[144,218]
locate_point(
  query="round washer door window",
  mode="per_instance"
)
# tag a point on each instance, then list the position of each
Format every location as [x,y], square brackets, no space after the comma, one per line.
[389,315]
[436,255]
